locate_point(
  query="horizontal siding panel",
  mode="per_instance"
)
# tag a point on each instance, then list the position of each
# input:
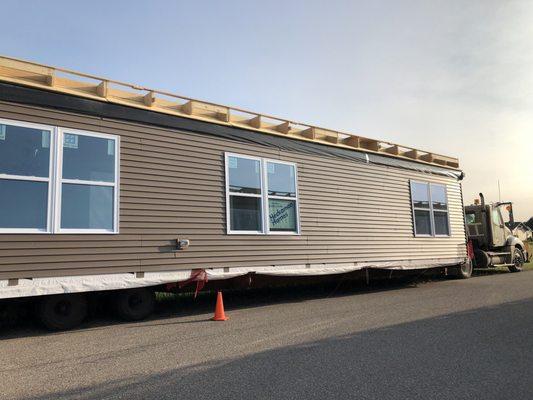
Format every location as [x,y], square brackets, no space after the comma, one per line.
[173,186]
[82,245]
[75,258]
[71,271]
[66,237]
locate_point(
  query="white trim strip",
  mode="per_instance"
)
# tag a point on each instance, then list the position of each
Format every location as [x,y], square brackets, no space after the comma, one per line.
[24,178]
[89,183]
[244,194]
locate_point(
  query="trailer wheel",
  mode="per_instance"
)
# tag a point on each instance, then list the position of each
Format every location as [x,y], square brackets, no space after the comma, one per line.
[463,271]
[134,304]
[518,261]
[61,312]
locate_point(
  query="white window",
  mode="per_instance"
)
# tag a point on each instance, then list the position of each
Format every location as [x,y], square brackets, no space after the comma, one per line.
[55,180]
[430,209]
[26,159]
[282,201]
[244,194]
[261,196]
[88,194]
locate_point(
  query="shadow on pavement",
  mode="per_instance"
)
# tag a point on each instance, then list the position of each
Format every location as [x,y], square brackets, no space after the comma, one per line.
[483,353]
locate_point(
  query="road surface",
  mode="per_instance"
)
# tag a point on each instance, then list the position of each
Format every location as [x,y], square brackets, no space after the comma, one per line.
[443,339]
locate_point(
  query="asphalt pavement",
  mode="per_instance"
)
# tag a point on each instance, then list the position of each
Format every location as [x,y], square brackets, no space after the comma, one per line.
[443,339]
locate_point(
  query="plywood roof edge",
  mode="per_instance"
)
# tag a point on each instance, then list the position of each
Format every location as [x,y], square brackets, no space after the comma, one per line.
[85,85]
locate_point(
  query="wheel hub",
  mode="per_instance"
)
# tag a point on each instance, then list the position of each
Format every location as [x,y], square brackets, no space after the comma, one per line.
[62,308]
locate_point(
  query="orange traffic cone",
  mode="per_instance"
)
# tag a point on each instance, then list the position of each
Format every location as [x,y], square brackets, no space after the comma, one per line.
[219,309]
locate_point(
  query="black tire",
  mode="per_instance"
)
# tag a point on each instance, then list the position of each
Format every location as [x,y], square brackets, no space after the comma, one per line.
[463,271]
[62,312]
[134,304]
[518,261]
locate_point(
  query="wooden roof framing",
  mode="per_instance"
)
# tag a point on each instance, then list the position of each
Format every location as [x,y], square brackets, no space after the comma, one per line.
[83,85]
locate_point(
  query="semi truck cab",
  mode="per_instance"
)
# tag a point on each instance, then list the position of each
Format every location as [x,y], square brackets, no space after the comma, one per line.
[493,243]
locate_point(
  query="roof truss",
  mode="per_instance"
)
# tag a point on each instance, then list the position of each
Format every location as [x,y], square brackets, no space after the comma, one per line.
[89,86]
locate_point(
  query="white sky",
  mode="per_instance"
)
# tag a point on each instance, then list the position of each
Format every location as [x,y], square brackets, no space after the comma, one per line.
[453,77]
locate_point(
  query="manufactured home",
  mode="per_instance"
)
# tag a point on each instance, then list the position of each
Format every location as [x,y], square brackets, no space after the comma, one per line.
[107,186]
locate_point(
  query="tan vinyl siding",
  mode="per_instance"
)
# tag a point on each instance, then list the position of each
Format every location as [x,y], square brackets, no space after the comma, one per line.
[172,185]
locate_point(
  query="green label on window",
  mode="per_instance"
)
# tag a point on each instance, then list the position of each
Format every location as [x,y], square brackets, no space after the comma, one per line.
[70,141]
[45,139]
[110,147]
[282,215]
[232,162]
[2,132]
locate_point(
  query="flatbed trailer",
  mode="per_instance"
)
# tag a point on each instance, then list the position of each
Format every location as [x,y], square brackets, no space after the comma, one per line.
[111,186]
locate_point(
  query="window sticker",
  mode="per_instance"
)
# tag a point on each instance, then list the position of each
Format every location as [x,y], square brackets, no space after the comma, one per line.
[2,132]
[110,147]
[271,168]
[282,215]
[45,139]
[232,162]
[70,141]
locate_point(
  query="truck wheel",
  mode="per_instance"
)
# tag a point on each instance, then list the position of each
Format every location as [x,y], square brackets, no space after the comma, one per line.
[518,261]
[463,271]
[61,312]
[134,304]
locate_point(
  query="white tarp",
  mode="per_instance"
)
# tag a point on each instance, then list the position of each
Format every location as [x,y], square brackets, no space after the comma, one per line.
[90,283]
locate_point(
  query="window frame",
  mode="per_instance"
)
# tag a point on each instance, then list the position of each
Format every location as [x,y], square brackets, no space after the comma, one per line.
[50,180]
[265,220]
[430,209]
[268,197]
[229,193]
[60,180]
[55,180]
